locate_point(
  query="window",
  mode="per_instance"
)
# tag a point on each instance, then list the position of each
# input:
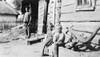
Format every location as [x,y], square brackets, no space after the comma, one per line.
[85,4]
[82,2]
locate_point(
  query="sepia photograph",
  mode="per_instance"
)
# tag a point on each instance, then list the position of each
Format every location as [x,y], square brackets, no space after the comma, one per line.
[49,28]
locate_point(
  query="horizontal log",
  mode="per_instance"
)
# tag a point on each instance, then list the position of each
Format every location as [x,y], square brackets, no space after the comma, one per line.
[81,16]
[36,38]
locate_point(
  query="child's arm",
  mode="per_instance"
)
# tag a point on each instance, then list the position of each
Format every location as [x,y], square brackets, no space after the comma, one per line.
[61,38]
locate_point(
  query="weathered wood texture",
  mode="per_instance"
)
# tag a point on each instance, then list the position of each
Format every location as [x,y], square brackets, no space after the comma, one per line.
[85,28]
[69,13]
[7,21]
[84,22]
[41,12]
[58,11]
[54,11]
[63,52]
[51,12]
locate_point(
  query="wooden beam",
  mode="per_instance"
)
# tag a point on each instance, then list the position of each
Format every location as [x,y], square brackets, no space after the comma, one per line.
[58,11]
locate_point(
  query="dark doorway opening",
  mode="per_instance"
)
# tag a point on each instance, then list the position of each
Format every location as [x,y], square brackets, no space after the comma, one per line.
[34,5]
[45,17]
[34,13]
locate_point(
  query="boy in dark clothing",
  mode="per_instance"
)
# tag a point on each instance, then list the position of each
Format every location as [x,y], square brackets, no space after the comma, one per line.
[27,21]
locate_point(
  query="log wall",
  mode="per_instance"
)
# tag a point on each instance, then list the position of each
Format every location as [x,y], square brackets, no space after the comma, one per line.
[83,21]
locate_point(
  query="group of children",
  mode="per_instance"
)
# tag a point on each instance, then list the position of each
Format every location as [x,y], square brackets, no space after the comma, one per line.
[54,38]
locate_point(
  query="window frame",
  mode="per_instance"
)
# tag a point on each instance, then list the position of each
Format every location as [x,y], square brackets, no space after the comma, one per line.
[81,5]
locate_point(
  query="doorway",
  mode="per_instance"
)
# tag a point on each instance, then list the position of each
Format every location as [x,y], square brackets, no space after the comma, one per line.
[34,13]
[34,6]
[45,17]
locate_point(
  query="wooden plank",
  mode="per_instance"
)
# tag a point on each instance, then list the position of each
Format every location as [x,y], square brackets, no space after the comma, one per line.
[46,56]
[67,2]
[58,11]
[81,16]
[81,26]
[41,16]
[69,14]
[51,12]
[37,38]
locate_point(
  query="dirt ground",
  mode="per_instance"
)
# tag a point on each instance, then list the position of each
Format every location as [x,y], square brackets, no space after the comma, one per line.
[18,48]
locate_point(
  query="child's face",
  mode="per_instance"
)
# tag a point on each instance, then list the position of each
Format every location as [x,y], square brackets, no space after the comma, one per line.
[58,30]
[26,9]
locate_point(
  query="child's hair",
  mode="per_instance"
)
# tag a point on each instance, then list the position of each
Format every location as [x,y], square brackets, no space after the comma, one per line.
[27,7]
[51,26]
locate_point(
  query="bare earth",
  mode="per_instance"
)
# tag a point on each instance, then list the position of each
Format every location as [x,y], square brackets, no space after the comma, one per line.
[19,49]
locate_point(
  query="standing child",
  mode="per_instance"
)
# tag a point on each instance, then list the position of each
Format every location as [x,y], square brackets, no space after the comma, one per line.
[27,21]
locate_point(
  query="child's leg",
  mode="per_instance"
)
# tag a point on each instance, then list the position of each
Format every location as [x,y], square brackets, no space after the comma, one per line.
[56,50]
